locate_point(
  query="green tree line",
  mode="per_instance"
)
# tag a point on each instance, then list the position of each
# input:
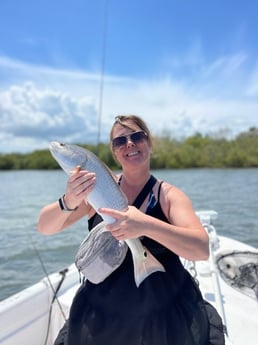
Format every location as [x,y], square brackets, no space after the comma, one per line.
[197,151]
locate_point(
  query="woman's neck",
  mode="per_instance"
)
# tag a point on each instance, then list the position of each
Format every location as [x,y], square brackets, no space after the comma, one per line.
[132,183]
[133,179]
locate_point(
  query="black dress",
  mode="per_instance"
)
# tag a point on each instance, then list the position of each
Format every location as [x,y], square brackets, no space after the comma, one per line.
[166,309]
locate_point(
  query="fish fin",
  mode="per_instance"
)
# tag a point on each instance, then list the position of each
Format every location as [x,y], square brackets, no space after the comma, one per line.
[143,267]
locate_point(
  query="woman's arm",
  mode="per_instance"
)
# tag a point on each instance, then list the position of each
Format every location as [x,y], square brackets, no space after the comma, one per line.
[185,235]
[52,219]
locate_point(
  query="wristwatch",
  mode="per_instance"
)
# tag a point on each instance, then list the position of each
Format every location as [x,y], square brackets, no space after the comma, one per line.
[63,206]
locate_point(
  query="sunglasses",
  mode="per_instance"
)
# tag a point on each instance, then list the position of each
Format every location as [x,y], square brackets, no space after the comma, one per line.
[135,137]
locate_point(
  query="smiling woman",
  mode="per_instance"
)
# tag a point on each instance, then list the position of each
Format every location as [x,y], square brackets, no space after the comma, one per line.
[167,307]
[135,137]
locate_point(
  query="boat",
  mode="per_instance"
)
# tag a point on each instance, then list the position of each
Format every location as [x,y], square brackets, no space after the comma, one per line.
[228,280]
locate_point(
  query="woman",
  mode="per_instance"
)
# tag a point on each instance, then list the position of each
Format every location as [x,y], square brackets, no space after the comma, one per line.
[167,308]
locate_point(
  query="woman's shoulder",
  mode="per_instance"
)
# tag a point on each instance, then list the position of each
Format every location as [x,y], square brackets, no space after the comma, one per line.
[173,200]
[170,193]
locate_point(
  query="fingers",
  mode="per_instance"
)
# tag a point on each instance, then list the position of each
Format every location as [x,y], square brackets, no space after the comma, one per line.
[76,169]
[117,231]
[78,187]
[127,223]
[112,213]
[119,228]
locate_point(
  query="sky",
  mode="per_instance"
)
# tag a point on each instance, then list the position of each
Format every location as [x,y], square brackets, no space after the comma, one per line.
[67,68]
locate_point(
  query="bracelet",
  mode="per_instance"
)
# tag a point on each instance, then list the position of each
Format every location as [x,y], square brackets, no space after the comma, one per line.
[63,206]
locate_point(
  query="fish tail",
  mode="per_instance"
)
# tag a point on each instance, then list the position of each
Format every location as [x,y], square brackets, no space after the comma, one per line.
[145,266]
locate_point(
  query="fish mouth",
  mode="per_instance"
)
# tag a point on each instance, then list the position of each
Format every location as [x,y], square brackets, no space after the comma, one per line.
[66,156]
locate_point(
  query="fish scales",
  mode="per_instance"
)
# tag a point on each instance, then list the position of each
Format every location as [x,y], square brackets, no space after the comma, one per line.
[106,193]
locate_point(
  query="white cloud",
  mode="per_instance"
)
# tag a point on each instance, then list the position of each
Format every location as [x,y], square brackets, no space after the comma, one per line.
[30,113]
[38,104]
[225,66]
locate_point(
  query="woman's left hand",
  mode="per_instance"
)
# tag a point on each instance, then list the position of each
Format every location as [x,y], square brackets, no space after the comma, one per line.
[128,224]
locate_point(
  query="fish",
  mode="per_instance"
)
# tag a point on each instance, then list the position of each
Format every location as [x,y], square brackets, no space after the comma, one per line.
[106,194]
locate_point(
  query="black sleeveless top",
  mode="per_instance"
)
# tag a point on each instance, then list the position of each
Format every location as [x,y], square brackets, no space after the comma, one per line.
[166,309]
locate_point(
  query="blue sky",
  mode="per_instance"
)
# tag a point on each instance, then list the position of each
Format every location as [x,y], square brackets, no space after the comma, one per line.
[183,65]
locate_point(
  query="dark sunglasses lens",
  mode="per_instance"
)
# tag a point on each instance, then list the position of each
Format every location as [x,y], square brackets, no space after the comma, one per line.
[138,136]
[119,141]
[134,137]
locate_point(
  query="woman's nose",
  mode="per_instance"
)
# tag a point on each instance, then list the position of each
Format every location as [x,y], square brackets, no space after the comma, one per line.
[129,142]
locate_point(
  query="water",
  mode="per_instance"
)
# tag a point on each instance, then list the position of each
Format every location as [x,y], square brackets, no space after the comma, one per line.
[233,193]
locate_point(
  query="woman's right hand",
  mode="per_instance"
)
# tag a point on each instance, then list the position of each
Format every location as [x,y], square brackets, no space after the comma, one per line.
[79,185]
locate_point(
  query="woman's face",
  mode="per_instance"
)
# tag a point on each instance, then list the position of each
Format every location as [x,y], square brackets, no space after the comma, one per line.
[133,151]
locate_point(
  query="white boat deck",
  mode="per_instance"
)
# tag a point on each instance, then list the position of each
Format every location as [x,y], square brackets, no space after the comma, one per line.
[28,318]
[238,311]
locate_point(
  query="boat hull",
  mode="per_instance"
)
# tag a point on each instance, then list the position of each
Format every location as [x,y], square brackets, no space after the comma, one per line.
[33,316]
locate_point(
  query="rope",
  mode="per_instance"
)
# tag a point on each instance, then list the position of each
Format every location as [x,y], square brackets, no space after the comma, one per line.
[240,270]
[55,291]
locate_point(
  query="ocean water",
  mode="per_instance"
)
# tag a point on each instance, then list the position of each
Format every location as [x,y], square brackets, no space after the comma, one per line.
[233,193]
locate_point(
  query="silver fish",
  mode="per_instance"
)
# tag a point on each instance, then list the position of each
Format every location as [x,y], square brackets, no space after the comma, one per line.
[106,193]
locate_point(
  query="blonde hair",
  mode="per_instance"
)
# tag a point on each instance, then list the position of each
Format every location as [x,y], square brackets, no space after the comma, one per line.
[124,120]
